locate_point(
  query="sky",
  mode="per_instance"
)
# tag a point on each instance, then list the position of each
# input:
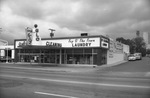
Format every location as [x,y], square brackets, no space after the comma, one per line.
[113,18]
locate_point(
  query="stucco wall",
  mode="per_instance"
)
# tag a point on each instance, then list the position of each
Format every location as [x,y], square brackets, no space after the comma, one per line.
[115,53]
[126,49]
[115,57]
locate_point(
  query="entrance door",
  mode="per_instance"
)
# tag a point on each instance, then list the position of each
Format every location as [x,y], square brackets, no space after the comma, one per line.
[57,59]
[104,56]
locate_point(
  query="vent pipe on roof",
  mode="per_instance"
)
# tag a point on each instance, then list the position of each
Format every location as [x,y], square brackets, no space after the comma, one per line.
[84,34]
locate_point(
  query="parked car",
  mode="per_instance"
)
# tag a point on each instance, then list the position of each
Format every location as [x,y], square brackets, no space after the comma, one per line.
[131,57]
[4,59]
[138,56]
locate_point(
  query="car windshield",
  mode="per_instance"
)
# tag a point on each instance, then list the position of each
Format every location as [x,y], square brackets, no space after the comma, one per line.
[131,55]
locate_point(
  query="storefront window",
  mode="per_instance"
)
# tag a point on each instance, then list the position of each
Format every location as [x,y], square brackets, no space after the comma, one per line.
[69,51]
[64,56]
[87,51]
[78,51]
[95,50]
[78,56]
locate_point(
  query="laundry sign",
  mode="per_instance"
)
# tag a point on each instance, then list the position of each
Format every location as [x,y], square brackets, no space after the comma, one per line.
[84,42]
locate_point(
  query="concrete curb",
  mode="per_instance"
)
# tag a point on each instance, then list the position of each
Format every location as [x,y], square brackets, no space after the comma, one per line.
[67,65]
[114,64]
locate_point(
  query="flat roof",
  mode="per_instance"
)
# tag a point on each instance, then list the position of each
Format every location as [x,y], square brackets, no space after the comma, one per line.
[66,37]
[57,38]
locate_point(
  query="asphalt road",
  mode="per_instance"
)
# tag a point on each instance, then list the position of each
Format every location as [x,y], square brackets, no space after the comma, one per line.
[133,66]
[128,80]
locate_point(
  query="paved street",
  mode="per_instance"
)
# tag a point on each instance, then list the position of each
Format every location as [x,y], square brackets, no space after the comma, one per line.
[133,66]
[128,80]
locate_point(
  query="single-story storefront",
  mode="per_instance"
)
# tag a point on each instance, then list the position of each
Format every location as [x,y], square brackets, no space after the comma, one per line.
[6,53]
[67,50]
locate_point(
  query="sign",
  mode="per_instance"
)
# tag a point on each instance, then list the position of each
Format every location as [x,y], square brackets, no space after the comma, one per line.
[84,42]
[111,49]
[66,43]
[28,35]
[36,39]
[48,43]
[32,36]
[75,42]
[115,47]
[118,47]
[104,42]
[19,44]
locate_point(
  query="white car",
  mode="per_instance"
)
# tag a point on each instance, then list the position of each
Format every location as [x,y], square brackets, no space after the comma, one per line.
[132,57]
[138,56]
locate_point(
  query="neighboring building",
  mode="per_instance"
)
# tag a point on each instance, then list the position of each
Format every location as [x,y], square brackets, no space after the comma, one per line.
[117,52]
[146,37]
[137,33]
[126,49]
[3,42]
[6,51]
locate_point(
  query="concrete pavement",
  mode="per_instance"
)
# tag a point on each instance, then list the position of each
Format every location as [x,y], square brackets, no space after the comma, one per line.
[105,70]
[60,67]
[28,81]
[23,83]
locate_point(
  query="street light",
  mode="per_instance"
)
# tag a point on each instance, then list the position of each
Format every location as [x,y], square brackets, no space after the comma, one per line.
[52,34]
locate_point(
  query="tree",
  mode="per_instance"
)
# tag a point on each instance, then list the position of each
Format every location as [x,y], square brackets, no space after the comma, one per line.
[132,46]
[148,51]
[136,44]
[140,45]
[127,42]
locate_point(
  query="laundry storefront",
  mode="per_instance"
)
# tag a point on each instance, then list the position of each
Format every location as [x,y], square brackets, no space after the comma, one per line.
[69,50]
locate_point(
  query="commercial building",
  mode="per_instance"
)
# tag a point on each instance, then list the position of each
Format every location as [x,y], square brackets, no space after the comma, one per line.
[117,52]
[6,51]
[146,37]
[67,50]
[91,50]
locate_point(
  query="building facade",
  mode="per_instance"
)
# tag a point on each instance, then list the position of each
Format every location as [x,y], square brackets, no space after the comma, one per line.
[146,37]
[91,50]
[117,52]
[69,50]
[6,51]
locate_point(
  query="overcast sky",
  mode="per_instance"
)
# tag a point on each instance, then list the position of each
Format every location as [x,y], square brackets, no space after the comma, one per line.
[115,18]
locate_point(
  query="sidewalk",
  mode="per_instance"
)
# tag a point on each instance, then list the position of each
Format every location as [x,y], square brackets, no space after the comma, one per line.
[60,67]
[114,64]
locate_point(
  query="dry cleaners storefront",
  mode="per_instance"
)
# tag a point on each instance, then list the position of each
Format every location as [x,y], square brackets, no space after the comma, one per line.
[69,50]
